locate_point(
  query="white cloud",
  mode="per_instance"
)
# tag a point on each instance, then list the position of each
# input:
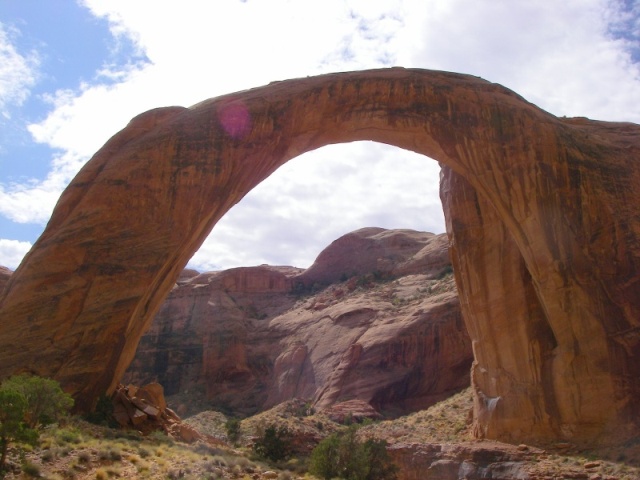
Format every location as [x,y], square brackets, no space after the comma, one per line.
[558,55]
[18,72]
[196,50]
[12,252]
[33,201]
[321,195]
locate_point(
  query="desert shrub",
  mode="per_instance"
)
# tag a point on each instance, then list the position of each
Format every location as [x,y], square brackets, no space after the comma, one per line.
[68,435]
[31,469]
[232,426]
[447,270]
[48,455]
[143,452]
[274,444]
[46,402]
[380,466]
[160,438]
[324,462]
[101,474]
[301,409]
[103,413]
[343,456]
[110,454]
[13,407]
[84,457]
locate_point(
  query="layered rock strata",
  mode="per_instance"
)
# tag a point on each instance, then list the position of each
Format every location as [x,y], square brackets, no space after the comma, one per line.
[564,192]
[5,273]
[387,339]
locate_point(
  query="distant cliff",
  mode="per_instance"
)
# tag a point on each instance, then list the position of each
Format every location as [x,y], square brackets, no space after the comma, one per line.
[383,326]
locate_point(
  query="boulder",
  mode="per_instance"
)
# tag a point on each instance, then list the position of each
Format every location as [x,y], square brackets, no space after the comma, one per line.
[144,409]
[352,411]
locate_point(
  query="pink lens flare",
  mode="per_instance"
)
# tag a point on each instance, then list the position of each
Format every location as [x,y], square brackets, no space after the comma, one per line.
[235,119]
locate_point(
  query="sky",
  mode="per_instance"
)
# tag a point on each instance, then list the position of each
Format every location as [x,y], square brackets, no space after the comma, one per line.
[73,73]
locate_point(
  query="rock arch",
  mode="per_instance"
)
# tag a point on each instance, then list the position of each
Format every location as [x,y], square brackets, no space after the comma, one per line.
[542,213]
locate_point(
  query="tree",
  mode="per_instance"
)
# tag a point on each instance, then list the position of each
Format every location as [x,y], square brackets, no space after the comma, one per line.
[274,444]
[232,426]
[103,413]
[13,407]
[380,466]
[343,456]
[46,402]
[324,458]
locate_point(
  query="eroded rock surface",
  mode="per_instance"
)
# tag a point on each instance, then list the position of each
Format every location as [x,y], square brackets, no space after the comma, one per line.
[145,410]
[5,273]
[390,340]
[564,193]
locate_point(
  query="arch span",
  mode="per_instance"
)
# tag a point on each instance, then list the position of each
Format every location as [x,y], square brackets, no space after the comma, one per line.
[542,215]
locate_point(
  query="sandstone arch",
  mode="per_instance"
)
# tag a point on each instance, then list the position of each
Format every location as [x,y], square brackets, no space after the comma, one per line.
[543,216]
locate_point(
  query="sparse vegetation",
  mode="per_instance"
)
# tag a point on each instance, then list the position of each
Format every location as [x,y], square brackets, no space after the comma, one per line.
[448,270]
[343,455]
[232,428]
[103,413]
[84,450]
[26,404]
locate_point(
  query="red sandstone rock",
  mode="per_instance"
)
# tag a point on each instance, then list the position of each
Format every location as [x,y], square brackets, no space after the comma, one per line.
[469,460]
[563,193]
[352,410]
[243,336]
[5,274]
[145,410]
[380,251]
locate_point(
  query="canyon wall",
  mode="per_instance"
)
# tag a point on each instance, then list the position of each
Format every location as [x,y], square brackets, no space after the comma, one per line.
[564,192]
[243,341]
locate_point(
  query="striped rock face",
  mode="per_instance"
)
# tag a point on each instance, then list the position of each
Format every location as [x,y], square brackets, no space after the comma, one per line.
[543,217]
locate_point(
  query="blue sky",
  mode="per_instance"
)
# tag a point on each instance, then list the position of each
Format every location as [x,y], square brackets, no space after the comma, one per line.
[73,73]
[58,46]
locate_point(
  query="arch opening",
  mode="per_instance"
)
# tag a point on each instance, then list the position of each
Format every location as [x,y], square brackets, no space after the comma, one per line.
[319,196]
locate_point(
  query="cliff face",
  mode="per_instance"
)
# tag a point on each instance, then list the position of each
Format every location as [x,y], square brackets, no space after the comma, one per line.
[564,193]
[250,343]
[549,315]
[5,273]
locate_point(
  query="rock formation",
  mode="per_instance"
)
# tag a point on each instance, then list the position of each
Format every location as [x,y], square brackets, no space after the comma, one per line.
[382,336]
[145,410]
[5,274]
[551,218]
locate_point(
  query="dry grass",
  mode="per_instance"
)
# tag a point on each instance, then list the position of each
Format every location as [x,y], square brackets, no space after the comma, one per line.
[84,451]
[446,421]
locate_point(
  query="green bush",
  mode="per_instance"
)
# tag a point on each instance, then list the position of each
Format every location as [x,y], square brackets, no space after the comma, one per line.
[31,469]
[343,456]
[274,444]
[27,402]
[13,408]
[46,402]
[232,426]
[103,413]
[380,466]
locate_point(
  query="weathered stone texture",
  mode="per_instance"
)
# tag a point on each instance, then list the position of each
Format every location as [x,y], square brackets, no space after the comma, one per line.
[565,192]
[5,273]
[250,343]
